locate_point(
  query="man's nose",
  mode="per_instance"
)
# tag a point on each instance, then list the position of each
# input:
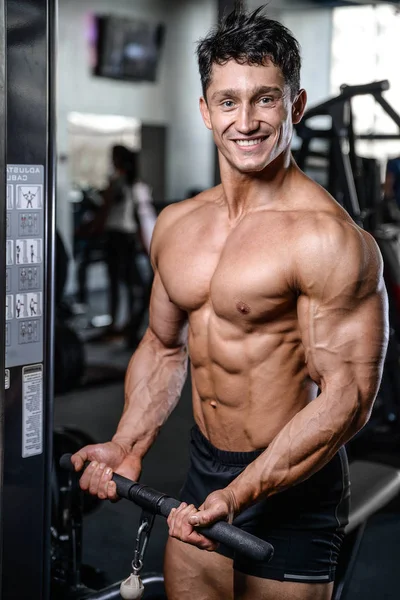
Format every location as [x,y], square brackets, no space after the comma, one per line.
[247,121]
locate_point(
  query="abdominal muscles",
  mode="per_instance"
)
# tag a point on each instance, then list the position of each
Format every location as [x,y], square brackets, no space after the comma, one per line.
[248,381]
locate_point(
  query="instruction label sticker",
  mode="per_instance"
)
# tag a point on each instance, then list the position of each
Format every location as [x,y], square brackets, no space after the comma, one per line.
[32,410]
[25,264]
[7,383]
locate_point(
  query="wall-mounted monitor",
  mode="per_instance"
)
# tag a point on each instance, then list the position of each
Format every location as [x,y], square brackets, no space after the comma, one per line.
[125,48]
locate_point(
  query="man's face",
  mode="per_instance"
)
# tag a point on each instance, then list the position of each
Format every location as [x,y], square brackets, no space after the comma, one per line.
[250,113]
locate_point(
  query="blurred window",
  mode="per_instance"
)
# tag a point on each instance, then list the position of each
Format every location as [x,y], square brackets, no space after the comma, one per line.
[365,48]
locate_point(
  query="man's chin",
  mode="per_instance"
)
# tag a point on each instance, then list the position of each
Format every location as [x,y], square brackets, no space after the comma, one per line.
[251,167]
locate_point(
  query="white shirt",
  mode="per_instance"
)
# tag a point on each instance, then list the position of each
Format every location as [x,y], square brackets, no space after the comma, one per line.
[121,214]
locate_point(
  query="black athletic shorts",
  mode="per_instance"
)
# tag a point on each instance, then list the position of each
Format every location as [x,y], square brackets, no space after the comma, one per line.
[305,523]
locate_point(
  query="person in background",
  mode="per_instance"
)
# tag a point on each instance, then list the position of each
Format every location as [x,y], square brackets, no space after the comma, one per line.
[128,218]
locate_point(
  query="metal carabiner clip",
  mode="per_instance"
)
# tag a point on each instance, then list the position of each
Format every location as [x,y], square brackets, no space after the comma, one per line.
[142,538]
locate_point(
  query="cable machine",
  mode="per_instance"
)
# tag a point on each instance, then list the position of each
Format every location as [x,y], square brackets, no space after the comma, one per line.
[27,247]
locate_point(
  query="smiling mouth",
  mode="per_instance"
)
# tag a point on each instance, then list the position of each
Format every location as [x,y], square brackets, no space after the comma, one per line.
[250,143]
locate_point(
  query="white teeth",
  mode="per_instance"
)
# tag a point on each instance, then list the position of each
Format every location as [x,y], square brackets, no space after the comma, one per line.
[249,142]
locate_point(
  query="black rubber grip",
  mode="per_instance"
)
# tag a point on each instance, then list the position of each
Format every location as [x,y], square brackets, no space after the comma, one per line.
[227,534]
[160,504]
[65,462]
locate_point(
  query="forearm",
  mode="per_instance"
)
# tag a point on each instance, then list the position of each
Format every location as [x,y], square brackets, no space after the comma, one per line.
[153,384]
[303,446]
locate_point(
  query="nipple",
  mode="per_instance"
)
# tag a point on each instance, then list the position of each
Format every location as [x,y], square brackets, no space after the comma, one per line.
[213,403]
[243,308]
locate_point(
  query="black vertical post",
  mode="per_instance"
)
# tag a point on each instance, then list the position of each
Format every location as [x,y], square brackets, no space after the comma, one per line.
[29,261]
[50,277]
[3,163]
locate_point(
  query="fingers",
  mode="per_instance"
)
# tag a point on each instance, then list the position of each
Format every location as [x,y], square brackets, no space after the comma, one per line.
[111,490]
[96,483]
[181,529]
[79,459]
[206,516]
[218,506]
[96,479]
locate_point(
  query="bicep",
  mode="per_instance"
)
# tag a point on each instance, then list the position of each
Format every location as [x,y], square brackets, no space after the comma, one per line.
[344,325]
[345,345]
[166,321]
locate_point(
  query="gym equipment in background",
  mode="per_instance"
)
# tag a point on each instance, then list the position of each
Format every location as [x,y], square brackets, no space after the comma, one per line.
[68,573]
[373,486]
[352,180]
[69,359]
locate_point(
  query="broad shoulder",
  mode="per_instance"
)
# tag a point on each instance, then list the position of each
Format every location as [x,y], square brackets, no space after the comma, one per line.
[175,212]
[176,215]
[329,249]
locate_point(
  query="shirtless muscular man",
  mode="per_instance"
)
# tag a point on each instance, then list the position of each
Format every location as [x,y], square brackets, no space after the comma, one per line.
[274,294]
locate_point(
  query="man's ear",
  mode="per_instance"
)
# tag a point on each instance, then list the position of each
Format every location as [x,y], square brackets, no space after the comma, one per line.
[299,106]
[205,113]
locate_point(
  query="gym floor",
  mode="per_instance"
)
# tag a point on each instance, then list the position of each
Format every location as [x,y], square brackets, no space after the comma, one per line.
[109,531]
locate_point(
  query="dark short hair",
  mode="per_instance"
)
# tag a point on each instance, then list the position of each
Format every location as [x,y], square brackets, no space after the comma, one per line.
[250,38]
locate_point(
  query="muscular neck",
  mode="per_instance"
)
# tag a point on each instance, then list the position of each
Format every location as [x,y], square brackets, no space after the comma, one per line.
[243,192]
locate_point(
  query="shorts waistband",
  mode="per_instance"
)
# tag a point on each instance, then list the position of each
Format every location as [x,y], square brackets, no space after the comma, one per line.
[224,456]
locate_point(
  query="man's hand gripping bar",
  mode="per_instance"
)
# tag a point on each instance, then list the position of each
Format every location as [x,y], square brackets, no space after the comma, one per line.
[160,504]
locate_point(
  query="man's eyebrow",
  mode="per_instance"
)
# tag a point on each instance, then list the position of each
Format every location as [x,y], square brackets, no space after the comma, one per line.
[258,91]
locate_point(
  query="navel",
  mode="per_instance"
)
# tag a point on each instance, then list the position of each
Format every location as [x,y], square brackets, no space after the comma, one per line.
[243,307]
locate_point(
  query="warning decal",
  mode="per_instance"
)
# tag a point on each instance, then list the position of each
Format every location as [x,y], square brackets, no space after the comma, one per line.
[32,410]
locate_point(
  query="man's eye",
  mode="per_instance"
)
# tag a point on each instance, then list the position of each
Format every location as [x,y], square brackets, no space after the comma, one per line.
[266,100]
[228,103]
